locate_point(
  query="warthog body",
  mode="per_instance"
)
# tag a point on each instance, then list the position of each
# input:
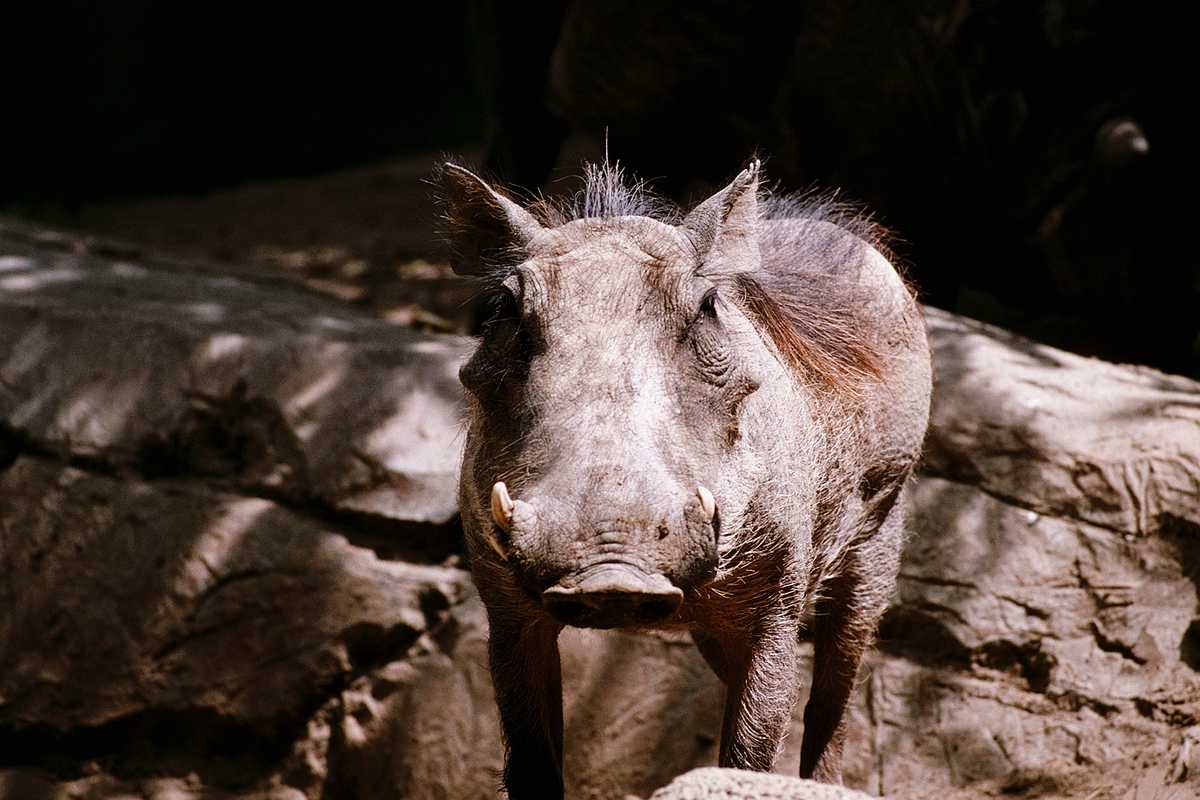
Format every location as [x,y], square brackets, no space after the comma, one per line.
[702,423]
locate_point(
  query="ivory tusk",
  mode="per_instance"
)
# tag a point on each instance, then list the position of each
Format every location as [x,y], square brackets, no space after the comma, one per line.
[502,506]
[707,502]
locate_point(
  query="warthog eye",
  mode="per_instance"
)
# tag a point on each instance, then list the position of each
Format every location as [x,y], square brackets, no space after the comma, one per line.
[506,333]
[708,305]
[505,308]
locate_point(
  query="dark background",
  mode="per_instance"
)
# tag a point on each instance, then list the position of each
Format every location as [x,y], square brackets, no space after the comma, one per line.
[1020,151]
[133,96]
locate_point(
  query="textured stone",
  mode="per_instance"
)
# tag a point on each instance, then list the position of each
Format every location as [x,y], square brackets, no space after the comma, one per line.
[194,374]
[1058,433]
[734,784]
[123,598]
[424,728]
[29,785]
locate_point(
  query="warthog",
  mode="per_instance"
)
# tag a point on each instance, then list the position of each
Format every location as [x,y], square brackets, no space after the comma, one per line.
[701,422]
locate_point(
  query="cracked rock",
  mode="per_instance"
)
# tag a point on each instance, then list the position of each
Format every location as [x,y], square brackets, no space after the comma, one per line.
[123,598]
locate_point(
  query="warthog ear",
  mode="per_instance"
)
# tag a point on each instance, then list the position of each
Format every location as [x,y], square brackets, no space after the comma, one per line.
[485,230]
[724,227]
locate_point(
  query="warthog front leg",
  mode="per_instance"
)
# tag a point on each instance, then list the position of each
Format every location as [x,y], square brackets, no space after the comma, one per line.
[838,645]
[846,618]
[528,683]
[761,677]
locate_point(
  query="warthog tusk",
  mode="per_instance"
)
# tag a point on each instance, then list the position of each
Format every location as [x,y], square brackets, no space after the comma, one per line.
[707,502]
[502,506]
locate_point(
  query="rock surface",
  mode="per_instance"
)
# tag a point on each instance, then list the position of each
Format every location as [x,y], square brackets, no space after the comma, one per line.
[711,783]
[276,390]
[229,568]
[1114,445]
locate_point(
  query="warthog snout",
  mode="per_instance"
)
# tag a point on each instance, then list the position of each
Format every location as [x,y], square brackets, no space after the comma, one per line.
[612,595]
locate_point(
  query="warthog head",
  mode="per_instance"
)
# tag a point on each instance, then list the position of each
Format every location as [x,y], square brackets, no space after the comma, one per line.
[609,392]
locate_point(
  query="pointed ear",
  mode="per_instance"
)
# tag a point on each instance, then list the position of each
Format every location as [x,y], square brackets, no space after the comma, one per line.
[724,227]
[484,228]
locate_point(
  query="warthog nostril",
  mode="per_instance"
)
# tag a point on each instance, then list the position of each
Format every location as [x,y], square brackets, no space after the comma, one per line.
[569,612]
[656,609]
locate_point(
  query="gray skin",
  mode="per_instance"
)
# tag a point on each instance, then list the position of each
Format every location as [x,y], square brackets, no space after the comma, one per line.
[625,368]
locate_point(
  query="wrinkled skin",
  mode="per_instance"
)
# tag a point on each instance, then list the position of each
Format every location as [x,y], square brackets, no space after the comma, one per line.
[621,372]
